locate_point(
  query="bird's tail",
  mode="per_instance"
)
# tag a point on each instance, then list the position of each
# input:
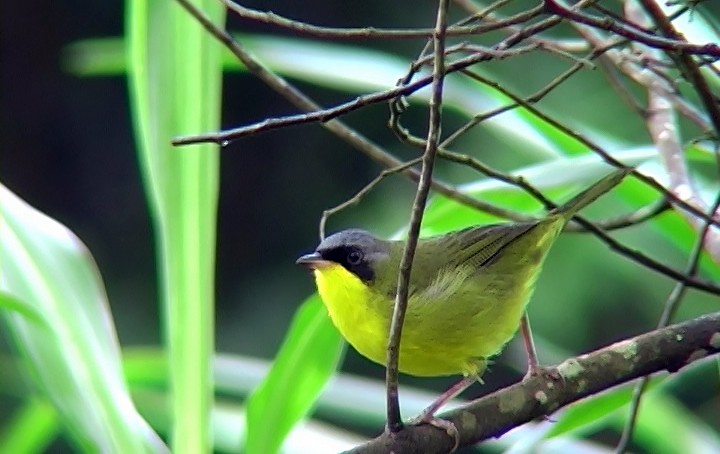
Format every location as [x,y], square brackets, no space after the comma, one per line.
[589,195]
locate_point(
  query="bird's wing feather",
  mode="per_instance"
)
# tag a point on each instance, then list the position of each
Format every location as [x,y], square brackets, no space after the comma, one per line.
[478,246]
[469,250]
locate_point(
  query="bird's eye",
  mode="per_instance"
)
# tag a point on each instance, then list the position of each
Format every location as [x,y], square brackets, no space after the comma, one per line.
[354,257]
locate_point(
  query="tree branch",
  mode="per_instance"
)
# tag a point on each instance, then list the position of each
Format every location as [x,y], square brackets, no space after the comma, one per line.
[632,33]
[664,131]
[306,29]
[670,349]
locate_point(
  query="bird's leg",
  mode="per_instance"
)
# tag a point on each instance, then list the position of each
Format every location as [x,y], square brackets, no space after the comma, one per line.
[533,365]
[534,369]
[443,398]
[428,414]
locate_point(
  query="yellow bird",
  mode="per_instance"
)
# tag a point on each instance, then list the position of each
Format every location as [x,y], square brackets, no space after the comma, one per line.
[468,289]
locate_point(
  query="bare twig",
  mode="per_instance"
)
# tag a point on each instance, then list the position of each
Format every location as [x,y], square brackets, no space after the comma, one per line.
[637,73]
[635,34]
[663,128]
[688,66]
[493,54]
[324,115]
[537,96]
[595,228]
[488,15]
[316,113]
[363,192]
[303,28]
[621,89]
[394,420]
[637,217]
[595,148]
[671,304]
[349,135]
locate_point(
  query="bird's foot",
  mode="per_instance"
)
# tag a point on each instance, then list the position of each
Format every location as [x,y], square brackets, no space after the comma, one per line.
[546,373]
[442,424]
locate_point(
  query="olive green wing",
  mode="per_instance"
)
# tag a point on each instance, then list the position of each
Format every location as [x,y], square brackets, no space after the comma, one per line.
[476,247]
[444,262]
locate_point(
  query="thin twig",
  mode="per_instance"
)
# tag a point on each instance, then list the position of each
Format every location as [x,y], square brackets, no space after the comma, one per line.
[316,31]
[593,147]
[475,49]
[394,420]
[688,66]
[639,216]
[662,125]
[637,73]
[634,34]
[314,115]
[363,192]
[283,87]
[488,15]
[317,114]
[535,97]
[671,304]
[595,228]
[621,89]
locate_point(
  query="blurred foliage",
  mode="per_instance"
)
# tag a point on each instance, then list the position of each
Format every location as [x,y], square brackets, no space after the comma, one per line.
[273,187]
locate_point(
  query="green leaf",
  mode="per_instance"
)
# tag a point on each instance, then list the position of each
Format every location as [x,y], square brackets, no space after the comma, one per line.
[33,427]
[592,413]
[72,352]
[665,426]
[308,357]
[175,74]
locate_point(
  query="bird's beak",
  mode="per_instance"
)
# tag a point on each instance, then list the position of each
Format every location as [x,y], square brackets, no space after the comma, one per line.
[312,261]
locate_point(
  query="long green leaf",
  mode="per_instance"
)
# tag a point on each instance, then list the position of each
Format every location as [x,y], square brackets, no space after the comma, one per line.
[175,80]
[307,359]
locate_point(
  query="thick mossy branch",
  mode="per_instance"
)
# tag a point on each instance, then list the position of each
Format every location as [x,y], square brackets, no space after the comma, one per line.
[669,349]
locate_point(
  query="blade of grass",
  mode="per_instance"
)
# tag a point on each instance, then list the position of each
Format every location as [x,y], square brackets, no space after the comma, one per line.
[175,72]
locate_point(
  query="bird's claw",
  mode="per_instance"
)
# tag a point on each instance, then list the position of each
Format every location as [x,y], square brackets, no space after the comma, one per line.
[442,424]
[547,373]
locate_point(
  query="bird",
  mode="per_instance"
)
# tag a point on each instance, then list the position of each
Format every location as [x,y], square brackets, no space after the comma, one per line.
[467,295]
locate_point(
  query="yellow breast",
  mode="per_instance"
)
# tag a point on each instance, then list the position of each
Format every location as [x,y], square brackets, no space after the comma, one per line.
[443,334]
[355,311]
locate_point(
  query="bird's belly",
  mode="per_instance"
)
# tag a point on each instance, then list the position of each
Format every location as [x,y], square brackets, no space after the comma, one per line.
[438,339]
[444,335]
[458,334]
